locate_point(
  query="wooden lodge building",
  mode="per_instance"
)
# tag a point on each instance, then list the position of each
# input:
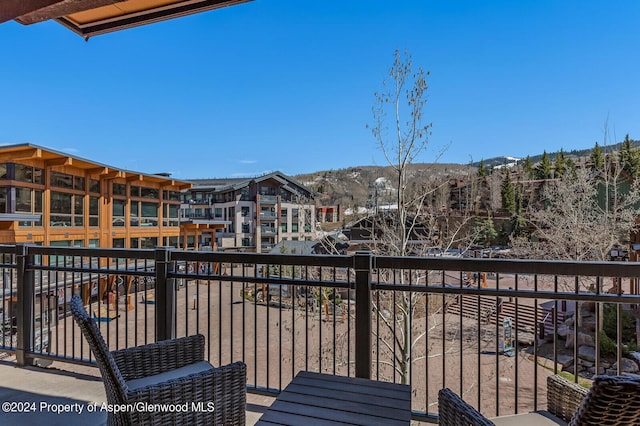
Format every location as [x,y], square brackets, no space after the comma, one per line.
[54,199]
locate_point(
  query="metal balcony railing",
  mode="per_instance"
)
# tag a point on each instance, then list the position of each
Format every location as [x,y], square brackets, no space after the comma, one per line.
[268,199]
[268,216]
[489,329]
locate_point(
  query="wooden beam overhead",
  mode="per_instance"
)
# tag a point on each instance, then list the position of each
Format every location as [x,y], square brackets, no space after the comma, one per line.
[28,154]
[98,171]
[111,175]
[62,8]
[62,161]
[134,178]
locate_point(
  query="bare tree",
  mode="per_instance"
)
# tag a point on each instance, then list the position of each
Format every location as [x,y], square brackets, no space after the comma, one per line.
[415,225]
[581,216]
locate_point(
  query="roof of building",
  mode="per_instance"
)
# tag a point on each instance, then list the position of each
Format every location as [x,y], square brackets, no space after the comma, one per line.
[27,151]
[229,184]
[93,17]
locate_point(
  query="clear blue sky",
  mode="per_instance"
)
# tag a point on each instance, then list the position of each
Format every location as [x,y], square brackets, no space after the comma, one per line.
[288,85]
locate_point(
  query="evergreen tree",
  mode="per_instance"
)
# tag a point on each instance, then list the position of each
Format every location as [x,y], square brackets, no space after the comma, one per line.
[561,163]
[486,231]
[482,171]
[543,169]
[629,157]
[507,191]
[597,157]
[528,168]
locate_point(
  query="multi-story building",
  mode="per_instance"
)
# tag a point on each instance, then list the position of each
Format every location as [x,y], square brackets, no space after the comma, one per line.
[260,212]
[54,199]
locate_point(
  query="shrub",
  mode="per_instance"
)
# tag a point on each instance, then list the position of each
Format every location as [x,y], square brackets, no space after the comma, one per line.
[607,345]
[610,324]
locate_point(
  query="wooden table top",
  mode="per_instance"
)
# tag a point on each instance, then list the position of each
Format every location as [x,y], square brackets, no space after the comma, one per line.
[321,399]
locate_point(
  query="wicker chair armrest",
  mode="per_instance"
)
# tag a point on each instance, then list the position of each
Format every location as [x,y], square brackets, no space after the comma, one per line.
[220,391]
[564,397]
[159,357]
[453,411]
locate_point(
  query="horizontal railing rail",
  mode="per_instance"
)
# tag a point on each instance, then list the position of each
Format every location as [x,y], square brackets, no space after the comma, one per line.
[491,329]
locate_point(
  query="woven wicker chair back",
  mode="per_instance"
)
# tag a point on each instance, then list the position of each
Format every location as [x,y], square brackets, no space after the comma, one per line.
[113,379]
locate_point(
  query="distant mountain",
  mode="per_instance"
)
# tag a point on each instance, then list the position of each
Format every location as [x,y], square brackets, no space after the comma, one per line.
[356,186]
[576,153]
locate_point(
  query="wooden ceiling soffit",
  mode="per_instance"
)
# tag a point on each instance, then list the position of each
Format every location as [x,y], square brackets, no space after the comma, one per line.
[133,13]
[98,171]
[59,8]
[62,161]
[112,174]
[27,154]
[134,178]
[173,185]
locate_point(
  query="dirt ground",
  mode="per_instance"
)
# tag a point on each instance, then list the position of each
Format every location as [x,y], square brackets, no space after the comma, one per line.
[276,342]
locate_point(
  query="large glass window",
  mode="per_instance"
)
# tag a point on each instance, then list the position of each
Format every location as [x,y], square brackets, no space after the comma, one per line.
[94,211]
[118,207]
[61,213]
[171,241]
[244,211]
[294,227]
[148,242]
[134,191]
[78,183]
[29,201]
[149,214]
[3,170]
[171,195]
[61,180]
[246,228]
[134,214]
[149,193]
[119,189]
[23,200]
[28,174]
[117,243]
[78,210]
[94,186]
[170,215]
[3,199]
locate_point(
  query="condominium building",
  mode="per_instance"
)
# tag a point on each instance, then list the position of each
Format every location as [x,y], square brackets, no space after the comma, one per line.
[258,212]
[55,199]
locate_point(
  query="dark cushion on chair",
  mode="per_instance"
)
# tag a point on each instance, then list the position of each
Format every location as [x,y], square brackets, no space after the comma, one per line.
[187,370]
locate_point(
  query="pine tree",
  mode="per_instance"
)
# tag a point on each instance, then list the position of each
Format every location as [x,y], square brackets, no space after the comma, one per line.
[543,169]
[561,163]
[597,158]
[528,168]
[482,171]
[507,191]
[629,157]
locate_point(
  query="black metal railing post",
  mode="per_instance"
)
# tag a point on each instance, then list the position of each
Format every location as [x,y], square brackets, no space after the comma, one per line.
[165,295]
[26,296]
[362,264]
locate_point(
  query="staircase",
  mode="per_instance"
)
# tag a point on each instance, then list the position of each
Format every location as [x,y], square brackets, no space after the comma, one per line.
[489,310]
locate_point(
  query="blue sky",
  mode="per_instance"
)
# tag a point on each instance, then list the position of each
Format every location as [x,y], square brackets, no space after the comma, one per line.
[288,85]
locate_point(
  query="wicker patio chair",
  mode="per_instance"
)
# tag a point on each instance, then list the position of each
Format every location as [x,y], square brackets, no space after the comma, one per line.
[171,372]
[612,400]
